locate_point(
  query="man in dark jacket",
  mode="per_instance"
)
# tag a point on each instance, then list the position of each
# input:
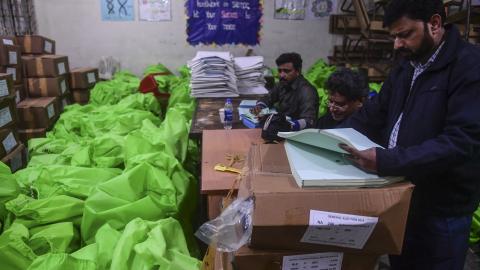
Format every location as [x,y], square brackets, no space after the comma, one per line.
[347,90]
[427,115]
[293,96]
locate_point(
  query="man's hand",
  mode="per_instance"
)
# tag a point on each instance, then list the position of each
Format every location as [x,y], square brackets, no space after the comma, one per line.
[366,159]
[256,110]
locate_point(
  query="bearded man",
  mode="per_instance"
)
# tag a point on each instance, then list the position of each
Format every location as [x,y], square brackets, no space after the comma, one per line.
[427,116]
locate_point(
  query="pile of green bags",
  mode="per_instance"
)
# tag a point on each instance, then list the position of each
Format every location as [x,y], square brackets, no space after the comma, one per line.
[317,75]
[475,230]
[110,187]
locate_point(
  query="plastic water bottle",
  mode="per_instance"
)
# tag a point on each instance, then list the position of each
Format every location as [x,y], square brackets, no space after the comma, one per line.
[227,123]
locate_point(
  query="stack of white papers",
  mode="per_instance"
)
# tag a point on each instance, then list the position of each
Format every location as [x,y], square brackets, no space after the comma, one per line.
[213,75]
[249,71]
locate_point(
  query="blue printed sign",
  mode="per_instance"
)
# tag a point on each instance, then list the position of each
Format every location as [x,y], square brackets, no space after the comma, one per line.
[223,21]
[117,10]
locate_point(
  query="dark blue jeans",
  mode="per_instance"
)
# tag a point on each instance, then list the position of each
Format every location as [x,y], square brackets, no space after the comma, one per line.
[434,243]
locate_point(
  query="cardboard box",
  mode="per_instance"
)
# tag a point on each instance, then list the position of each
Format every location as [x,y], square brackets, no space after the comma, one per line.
[282,209]
[6,85]
[31,133]
[8,113]
[82,78]
[8,141]
[38,112]
[8,40]
[34,44]
[10,55]
[20,92]
[15,70]
[250,259]
[65,101]
[48,87]
[81,96]
[17,159]
[46,66]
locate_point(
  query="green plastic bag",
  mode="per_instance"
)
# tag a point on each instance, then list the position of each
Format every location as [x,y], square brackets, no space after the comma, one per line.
[15,254]
[56,238]
[61,261]
[9,189]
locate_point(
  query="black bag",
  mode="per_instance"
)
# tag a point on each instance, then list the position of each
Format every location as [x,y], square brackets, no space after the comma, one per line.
[273,124]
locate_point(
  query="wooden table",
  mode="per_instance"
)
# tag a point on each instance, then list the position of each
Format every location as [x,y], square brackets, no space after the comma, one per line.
[206,115]
[216,145]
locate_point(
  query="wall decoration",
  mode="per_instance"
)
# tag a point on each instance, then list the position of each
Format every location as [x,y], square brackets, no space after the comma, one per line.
[290,9]
[155,10]
[117,10]
[321,9]
[223,21]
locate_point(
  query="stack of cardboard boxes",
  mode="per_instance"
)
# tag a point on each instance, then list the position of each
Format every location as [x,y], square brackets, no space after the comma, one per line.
[11,63]
[82,80]
[317,228]
[47,83]
[12,152]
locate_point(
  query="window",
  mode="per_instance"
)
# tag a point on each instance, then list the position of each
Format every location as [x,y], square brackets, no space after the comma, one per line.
[17,17]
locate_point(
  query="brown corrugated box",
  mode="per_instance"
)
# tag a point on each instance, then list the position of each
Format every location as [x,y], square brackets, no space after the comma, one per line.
[8,40]
[80,96]
[20,92]
[17,159]
[249,259]
[8,113]
[10,55]
[82,78]
[15,70]
[48,86]
[31,133]
[35,44]
[46,66]
[6,85]
[38,112]
[8,141]
[65,101]
[282,209]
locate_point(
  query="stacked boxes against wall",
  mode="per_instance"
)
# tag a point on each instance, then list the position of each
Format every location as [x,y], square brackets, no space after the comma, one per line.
[82,80]
[12,152]
[47,86]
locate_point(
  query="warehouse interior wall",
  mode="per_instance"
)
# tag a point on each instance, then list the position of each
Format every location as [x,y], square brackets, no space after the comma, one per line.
[80,33]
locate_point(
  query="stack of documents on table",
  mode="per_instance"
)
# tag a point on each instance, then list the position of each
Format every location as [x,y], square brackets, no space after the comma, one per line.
[249,119]
[316,160]
[249,71]
[213,75]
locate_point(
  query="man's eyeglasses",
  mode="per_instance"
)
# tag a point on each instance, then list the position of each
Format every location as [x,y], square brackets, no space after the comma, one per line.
[333,105]
[284,70]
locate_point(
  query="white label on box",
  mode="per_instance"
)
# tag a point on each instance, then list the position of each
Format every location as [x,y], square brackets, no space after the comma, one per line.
[50,111]
[3,88]
[12,58]
[9,143]
[315,261]
[16,162]
[335,229]
[91,77]
[48,47]
[5,116]
[7,41]
[17,97]
[12,71]
[61,68]
[63,86]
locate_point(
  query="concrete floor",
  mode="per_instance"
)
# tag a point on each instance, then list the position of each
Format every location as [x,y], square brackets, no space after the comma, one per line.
[472,261]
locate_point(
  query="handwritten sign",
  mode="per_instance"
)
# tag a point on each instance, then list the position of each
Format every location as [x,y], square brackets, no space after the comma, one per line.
[223,22]
[117,10]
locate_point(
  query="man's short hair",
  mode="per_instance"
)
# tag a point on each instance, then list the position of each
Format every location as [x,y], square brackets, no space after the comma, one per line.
[414,9]
[348,83]
[293,58]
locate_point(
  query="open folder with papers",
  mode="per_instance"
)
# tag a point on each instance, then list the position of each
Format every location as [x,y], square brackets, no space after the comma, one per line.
[316,160]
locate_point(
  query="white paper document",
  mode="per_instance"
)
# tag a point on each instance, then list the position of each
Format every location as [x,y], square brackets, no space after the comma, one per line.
[12,58]
[61,68]
[3,88]
[7,41]
[315,261]
[5,116]
[336,229]
[91,77]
